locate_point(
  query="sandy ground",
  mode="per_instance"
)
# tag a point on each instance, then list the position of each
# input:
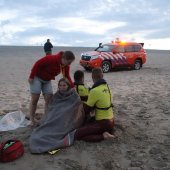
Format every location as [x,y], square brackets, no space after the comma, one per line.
[142,104]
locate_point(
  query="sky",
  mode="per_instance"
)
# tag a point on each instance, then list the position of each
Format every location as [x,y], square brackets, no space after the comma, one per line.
[85,23]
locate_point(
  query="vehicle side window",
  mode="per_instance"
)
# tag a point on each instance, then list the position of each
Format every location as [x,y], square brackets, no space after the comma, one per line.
[137,48]
[129,48]
[120,49]
[105,48]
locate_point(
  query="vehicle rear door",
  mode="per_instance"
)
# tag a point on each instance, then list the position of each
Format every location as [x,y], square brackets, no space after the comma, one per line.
[130,54]
[139,51]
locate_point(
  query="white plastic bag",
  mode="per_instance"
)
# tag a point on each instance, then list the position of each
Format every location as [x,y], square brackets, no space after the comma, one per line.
[13,120]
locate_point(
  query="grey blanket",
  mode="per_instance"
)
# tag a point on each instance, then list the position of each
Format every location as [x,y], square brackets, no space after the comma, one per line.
[64,114]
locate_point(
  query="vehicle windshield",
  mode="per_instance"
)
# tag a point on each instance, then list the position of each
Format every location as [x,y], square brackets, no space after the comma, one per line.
[105,48]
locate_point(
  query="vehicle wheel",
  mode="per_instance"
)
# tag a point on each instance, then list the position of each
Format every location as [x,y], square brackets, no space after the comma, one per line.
[137,65]
[106,66]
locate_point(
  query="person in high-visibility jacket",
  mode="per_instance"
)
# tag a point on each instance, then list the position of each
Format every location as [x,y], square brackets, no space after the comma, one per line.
[99,100]
[79,85]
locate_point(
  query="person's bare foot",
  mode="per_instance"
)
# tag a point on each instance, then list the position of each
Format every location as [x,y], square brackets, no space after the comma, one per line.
[107,135]
[34,123]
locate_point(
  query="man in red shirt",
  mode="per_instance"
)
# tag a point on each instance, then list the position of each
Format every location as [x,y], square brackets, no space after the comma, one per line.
[45,70]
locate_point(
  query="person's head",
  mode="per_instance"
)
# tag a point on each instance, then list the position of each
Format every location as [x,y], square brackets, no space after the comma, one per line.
[48,40]
[67,58]
[63,85]
[97,74]
[79,76]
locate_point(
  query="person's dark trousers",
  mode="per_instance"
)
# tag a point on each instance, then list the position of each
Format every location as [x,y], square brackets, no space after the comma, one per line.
[93,132]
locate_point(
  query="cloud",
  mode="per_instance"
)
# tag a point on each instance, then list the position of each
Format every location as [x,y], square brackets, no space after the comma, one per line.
[8,14]
[83,23]
[72,24]
[159,44]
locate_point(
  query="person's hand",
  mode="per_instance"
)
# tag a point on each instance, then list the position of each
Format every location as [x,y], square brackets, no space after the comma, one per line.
[30,80]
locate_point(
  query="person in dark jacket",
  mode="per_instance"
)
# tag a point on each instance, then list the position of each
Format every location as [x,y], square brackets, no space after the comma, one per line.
[48,47]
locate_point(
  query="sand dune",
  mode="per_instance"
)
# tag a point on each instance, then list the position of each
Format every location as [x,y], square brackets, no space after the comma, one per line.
[142,105]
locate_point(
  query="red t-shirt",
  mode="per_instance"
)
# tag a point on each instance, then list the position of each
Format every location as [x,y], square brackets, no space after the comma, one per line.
[50,66]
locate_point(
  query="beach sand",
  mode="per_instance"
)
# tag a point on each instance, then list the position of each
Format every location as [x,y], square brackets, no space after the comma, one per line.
[142,106]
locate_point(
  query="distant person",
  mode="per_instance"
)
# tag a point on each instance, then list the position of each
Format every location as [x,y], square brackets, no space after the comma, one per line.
[45,70]
[48,47]
[79,85]
[99,100]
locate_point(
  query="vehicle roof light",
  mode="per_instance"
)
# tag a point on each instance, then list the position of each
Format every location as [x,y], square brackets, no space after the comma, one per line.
[117,40]
[123,41]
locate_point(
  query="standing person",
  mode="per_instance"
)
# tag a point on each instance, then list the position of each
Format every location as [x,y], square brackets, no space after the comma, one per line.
[79,85]
[99,99]
[45,70]
[48,47]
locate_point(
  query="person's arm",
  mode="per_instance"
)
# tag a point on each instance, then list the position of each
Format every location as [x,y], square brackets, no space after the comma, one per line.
[51,45]
[87,108]
[92,99]
[40,63]
[67,75]
[84,98]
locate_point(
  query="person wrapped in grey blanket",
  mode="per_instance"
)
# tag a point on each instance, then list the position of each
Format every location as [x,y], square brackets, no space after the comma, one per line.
[64,115]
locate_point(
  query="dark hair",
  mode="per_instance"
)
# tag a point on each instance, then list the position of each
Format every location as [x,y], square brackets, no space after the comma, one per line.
[97,73]
[68,55]
[78,75]
[66,81]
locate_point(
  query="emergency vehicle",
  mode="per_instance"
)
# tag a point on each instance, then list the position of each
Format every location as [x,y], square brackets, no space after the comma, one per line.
[115,54]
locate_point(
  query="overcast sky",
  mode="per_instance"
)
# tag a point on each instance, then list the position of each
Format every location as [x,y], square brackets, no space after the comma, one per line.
[85,22]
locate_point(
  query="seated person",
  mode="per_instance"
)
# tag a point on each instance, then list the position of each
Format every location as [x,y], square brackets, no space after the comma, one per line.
[65,113]
[99,99]
[79,85]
